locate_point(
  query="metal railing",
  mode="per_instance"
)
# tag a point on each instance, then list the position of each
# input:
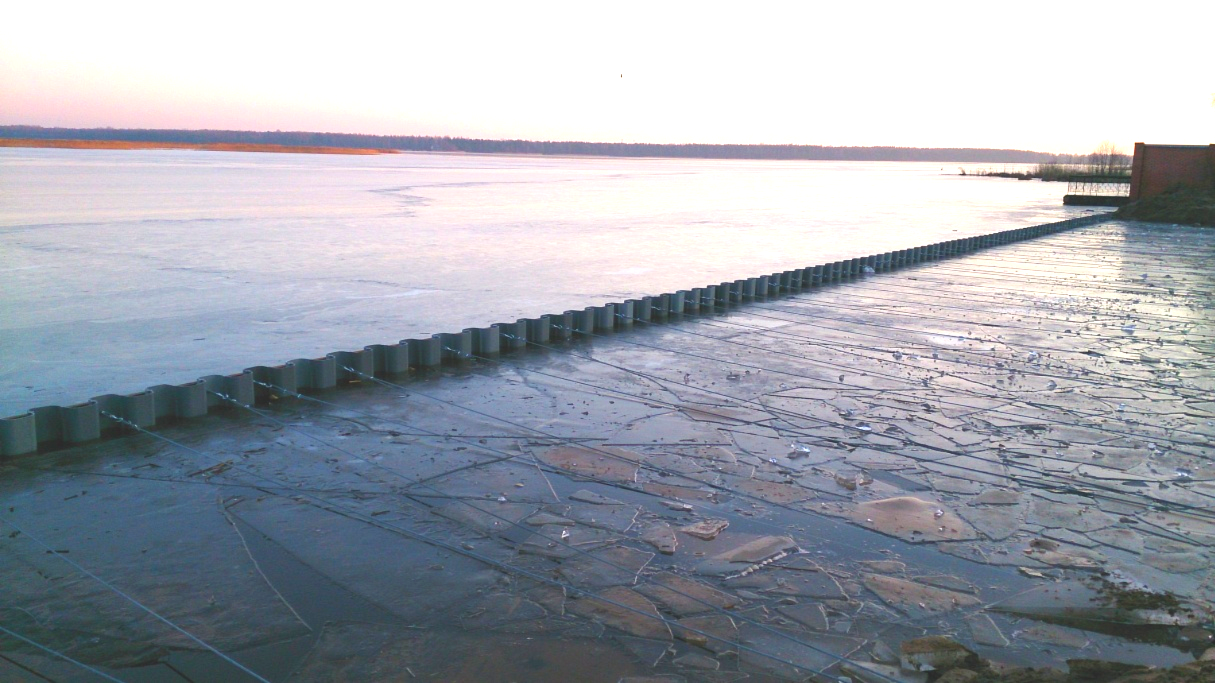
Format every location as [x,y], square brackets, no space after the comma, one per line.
[1099,186]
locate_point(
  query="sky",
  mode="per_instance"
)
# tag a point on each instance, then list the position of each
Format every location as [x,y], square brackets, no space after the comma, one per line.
[1046,76]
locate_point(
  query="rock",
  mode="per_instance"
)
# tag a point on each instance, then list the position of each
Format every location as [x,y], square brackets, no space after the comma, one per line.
[1196,634]
[706,529]
[1096,671]
[912,519]
[935,653]
[847,482]
[1073,600]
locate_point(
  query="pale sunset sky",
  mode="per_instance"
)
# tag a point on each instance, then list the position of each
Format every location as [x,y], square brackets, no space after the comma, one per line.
[1047,76]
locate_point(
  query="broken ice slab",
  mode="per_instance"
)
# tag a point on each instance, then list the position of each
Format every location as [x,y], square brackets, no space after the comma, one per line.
[947,582]
[557,541]
[616,566]
[623,609]
[884,566]
[705,529]
[725,415]
[660,535]
[1176,563]
[678,492]
[584,496]
[486,517]
[997,497]
[498,609]
[916,599]
[602,464]
[996,523]
[697,662]
[542,518]
[714,632]
[1053,635]
[1071,512]
[1059,555]
[683,597]
[985,632]
[746,555]
[913,519]
[781,581]
[811,614]
[619,518]
[872,672]
[769,491]
[794,655]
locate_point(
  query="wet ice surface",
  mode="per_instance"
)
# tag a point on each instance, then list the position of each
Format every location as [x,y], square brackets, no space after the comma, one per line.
[976,448]
[127,269]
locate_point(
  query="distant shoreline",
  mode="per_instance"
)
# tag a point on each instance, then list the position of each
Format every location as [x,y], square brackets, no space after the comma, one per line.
[198,146]
[569,148]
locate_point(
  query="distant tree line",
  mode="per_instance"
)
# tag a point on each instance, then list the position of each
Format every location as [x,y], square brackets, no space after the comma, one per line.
[417,143]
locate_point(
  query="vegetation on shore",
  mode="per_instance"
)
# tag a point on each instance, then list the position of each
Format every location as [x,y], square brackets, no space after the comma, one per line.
[1184,205]
[210,147]
[1106,161]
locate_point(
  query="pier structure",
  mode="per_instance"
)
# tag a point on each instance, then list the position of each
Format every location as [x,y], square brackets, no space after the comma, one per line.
[91,419]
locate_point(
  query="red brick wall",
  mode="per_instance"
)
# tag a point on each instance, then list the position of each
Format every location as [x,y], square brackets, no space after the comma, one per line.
[1157,168]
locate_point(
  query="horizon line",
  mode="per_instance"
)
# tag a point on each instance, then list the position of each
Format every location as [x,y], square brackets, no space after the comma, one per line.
[415,136]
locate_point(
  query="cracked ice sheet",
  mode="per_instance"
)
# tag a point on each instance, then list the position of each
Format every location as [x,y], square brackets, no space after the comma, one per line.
[172,572]
[536,400]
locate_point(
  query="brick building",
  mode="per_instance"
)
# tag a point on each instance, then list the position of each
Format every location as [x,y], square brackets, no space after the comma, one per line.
[1157,168]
